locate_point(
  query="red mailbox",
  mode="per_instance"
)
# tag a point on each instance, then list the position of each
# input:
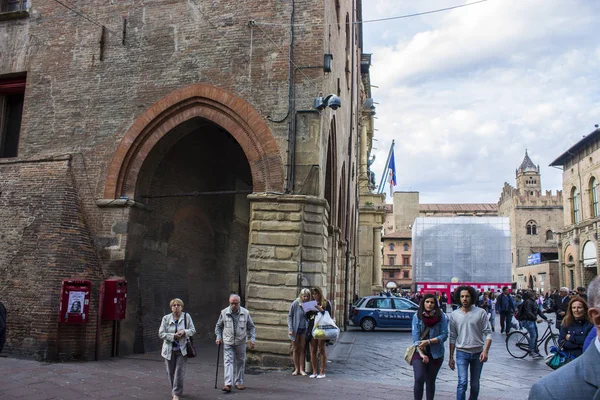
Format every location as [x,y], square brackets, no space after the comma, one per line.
[115,299]
[74,301]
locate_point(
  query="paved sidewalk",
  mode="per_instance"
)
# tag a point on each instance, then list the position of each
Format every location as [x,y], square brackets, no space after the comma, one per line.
[364,365]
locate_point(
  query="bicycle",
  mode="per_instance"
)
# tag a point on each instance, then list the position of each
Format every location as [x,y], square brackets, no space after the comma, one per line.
[517,342]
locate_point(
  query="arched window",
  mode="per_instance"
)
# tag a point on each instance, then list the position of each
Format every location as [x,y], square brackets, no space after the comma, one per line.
[531,228]
[549,235]
[392,260]
[595,211]
[575,217]
[405,246]
[391,246]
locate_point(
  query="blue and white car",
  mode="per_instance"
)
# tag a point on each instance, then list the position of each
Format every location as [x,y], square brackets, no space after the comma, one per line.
[383,312]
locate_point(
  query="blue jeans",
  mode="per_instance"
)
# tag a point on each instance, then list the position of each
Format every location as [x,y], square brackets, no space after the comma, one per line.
[465,360]
[533,334]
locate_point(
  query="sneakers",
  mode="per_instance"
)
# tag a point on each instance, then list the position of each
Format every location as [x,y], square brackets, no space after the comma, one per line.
[535,355]
[313,376]
[320,376]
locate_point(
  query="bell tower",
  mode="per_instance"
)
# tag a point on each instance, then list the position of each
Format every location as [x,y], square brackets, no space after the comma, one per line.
[529,180]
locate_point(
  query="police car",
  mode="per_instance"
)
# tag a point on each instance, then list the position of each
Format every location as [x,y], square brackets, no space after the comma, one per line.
[383,312]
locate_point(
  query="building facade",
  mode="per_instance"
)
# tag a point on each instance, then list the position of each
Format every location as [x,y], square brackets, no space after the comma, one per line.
[578,237]
[535,218]
[192,148]
[396,265]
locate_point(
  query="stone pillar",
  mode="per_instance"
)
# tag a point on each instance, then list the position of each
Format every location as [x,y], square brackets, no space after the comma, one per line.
[287,250]
[377,284]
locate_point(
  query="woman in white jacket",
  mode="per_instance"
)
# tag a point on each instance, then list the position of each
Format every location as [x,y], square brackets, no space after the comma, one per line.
[174,330]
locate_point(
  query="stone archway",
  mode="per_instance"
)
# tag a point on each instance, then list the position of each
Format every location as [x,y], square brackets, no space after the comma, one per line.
[219,106]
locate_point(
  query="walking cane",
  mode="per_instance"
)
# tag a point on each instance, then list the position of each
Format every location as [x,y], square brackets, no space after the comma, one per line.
[217,372]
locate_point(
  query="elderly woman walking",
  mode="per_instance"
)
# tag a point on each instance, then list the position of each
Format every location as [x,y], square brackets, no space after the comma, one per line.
[297,331]
[174,330]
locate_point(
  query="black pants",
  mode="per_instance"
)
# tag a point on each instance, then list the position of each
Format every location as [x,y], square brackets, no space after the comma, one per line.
[425,375]
[505,321]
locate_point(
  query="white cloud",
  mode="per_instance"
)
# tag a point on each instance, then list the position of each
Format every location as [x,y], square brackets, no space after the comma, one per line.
[465,92]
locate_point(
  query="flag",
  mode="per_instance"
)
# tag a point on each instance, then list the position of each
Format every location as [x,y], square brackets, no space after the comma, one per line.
[392,173]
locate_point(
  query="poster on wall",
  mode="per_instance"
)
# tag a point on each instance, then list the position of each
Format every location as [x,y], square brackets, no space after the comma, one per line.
[76,300]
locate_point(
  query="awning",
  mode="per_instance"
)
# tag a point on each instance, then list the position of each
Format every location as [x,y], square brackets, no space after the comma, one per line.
[391,285]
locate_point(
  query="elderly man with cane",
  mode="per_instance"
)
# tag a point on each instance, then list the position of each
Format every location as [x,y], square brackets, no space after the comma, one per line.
[232,330]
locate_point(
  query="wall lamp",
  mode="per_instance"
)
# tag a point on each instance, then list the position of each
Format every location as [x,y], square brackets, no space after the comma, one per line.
[332,101]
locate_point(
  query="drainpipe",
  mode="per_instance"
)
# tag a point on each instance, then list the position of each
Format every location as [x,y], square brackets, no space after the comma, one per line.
[348,189]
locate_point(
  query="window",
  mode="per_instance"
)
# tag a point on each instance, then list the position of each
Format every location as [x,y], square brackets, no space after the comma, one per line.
[391,246]
[570,259]
[392,261]
[594,197]
[392,274]
[405,274]
[575,217]
[384,303]
[13,5]
[549,235]
[405,246]
[531,228]
[12,96]
[405,260]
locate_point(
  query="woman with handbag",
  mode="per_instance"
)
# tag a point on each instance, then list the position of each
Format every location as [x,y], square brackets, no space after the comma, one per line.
[317,344]
[175,329]
[575,327]
[429,332]
[297,331]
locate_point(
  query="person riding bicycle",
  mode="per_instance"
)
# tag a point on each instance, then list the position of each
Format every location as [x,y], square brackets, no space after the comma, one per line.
[529,314]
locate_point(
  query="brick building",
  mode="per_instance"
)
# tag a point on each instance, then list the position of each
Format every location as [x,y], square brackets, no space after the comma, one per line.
[535,218]
[396,266]
[578,237]
[178,145]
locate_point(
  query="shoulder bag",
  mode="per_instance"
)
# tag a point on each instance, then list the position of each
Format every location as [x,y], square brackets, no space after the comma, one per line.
[189,342]
[410,350]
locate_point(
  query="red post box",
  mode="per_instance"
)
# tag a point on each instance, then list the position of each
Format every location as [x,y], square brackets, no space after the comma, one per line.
[74,301]
[115,299]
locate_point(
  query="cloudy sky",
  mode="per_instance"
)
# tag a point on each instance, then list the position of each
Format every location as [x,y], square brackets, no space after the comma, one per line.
[464,92]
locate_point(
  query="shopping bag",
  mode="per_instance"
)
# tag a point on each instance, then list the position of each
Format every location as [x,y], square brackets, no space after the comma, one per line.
[556,358]
[409,353]
[325,328]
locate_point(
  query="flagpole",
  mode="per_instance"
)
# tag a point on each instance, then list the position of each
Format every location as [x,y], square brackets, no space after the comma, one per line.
[385,168]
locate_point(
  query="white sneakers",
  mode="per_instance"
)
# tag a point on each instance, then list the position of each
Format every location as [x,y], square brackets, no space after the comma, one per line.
[313,376]
[320,376]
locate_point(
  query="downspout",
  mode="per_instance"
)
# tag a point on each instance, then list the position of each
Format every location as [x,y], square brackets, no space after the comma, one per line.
[291,151]
[348,190]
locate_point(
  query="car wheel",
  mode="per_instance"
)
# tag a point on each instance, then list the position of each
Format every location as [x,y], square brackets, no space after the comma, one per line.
[367,324]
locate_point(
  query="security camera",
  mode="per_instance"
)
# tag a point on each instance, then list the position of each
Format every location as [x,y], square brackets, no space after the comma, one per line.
[334,102]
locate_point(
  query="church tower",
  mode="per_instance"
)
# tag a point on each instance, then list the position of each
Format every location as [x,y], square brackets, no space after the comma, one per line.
[529,180]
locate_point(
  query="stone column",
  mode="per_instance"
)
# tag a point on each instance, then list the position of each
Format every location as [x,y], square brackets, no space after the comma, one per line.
[287,250]
[377,282]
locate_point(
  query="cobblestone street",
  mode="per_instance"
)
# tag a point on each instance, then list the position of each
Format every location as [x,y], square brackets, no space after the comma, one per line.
[363,365]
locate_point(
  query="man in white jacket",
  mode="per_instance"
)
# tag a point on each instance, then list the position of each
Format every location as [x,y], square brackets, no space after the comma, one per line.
[232,330]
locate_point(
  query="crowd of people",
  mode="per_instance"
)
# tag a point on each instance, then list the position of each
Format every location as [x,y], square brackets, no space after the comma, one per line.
[468,329]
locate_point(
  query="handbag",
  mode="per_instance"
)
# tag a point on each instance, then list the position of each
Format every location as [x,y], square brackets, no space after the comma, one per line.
[410,350]
[189,343]
[556,358]
[325,327]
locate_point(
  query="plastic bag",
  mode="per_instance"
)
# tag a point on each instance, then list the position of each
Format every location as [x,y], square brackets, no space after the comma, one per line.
[325,327]
[556,358]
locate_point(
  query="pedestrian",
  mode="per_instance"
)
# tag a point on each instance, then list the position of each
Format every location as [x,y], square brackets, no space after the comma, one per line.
[561,305]
[506,308]
[2,326]
[493,311]
[581,293]
[174,330]
[429,332]
[232,330]
[297,325]
[317,344]
[576,326]
[518,304]
[529,315]
[579,379]
[443,301]
[470,334]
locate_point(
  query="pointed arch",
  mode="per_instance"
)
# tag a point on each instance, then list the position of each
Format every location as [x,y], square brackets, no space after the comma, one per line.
[223,108]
